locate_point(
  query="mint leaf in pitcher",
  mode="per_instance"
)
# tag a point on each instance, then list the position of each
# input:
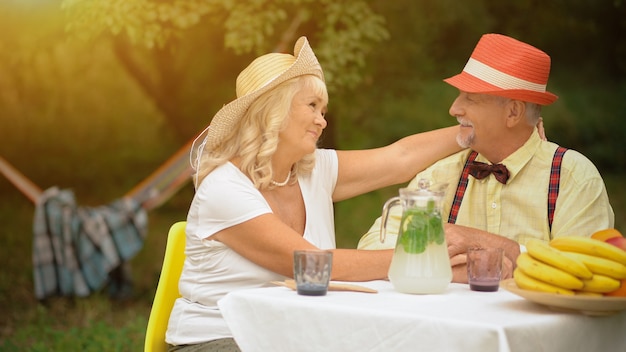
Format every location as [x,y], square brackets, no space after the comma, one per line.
[420,227]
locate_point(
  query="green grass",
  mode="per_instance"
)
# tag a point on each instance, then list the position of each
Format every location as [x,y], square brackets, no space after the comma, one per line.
[90,324]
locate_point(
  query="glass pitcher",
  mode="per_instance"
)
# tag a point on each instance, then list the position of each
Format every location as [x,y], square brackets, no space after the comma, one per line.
[420,263]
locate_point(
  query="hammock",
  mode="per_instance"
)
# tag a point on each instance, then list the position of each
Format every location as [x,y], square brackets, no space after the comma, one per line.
[151,193]
[165,181]
[78,250]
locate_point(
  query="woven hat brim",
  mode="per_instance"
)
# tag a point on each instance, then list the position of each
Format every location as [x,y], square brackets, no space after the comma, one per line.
[468,83]
[222,123]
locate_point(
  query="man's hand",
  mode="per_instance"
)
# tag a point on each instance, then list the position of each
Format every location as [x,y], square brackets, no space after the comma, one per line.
[459,268]
[460,238]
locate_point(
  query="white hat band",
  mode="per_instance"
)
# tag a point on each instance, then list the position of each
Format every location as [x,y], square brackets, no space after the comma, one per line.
[500,79]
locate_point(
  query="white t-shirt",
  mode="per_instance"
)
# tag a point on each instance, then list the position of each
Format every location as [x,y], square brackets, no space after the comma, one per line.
[226,197]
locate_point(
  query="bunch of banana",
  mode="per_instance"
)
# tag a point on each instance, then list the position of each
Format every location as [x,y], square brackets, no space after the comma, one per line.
[600,266]
[546,269]
[590,246]
[529,283]
[571,265]
[554,257]
[606,261]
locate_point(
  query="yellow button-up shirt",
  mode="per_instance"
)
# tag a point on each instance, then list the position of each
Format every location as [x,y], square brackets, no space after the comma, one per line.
[519,209]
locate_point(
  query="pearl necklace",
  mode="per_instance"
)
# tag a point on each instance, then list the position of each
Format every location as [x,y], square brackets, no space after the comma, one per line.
[281,184]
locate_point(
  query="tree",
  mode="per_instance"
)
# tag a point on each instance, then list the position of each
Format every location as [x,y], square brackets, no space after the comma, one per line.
[157,41]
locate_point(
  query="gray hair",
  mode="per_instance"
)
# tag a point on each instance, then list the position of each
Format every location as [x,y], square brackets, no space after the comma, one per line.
[533,111]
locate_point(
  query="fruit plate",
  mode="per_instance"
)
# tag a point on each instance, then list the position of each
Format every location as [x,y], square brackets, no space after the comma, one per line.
[588,305]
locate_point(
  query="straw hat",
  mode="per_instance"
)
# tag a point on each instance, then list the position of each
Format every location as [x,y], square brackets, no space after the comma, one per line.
[504,66]
[262,75]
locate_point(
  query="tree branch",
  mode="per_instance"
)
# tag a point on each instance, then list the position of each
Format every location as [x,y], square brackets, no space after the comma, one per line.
[288,35]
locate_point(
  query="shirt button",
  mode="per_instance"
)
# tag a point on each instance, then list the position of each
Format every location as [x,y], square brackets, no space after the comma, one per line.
[493,205]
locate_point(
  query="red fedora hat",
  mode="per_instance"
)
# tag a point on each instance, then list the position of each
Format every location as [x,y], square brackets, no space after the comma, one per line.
[503,66]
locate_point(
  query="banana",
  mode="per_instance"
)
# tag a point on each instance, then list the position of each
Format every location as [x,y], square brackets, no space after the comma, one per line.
[599,265]
[601,284]
[547,273]
[528,283]
[542,251]
[589,246]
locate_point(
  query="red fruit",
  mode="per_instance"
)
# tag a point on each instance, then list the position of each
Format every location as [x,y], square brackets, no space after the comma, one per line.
[619,242]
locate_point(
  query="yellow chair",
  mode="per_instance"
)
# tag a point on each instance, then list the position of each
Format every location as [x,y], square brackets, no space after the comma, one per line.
[167,289]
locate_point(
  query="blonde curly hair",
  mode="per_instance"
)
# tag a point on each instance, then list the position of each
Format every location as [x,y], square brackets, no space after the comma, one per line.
[254,138]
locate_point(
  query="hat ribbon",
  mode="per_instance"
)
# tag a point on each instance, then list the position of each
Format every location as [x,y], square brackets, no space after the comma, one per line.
[500,79]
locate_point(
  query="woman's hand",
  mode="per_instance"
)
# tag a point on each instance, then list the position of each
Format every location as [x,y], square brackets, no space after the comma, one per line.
[541,130]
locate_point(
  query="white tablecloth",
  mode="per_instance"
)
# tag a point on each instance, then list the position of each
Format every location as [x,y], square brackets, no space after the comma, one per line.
[278,319]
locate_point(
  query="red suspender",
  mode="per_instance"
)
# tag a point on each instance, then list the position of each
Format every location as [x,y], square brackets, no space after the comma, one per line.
[460,189]
[553,185]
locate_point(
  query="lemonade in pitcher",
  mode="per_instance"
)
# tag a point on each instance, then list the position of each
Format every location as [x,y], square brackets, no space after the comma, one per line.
[420,263]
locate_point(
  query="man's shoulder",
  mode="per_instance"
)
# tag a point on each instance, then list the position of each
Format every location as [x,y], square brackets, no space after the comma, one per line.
[574,156]
[575,166]
[547,150]
[578,165]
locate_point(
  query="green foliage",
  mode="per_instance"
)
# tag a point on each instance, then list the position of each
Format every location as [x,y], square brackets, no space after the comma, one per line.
[146,23]
[349,31]
[249,26]
[66,101]
[590,120]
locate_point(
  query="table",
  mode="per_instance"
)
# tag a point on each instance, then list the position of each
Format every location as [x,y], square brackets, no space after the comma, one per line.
[278,319]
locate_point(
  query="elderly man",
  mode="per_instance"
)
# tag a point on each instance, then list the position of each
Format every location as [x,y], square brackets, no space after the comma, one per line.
[509,185]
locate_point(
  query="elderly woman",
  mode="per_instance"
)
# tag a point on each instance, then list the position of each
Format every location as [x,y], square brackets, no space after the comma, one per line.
[264,189]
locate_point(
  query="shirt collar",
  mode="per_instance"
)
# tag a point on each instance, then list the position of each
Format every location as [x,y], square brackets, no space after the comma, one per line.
[518,159]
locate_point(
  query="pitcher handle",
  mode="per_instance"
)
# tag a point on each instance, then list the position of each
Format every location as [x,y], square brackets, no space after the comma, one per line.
[383,223]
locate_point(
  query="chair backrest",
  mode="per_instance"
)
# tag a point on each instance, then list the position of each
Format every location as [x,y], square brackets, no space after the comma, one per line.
[167,289]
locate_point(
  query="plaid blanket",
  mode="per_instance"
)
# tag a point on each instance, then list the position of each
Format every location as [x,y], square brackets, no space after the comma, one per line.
[79,250]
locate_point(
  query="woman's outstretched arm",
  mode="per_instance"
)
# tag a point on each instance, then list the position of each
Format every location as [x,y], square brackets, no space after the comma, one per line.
[362,171]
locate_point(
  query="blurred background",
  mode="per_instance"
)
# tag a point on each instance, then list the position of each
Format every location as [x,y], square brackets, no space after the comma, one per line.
[95,95]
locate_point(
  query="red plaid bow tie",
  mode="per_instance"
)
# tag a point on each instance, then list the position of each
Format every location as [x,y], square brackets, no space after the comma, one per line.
[481,170]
